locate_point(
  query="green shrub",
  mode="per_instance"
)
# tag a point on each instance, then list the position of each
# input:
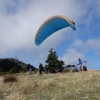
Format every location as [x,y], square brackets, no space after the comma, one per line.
[13,70]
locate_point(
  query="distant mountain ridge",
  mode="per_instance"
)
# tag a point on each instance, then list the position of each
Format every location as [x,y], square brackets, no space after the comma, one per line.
[7,64]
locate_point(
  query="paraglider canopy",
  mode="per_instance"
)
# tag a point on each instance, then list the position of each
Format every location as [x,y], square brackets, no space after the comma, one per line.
[51,25]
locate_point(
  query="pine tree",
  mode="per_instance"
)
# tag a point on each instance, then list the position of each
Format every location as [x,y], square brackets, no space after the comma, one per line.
[52,61]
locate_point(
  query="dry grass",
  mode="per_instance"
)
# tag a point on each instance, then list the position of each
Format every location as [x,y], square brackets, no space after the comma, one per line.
[66,86]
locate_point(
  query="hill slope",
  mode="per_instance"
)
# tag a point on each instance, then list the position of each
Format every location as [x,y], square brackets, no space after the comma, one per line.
[8,63]
[66,86]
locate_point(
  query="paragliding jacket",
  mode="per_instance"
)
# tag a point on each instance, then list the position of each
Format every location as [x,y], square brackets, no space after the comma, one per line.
[80,61]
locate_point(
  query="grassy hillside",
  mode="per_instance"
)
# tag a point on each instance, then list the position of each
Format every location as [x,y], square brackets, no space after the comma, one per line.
[66,86]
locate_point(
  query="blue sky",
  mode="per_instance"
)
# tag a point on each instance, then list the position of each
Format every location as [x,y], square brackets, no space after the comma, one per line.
[20,20]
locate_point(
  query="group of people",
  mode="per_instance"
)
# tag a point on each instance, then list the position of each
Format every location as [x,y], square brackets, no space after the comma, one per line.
[80,67]
[41,68]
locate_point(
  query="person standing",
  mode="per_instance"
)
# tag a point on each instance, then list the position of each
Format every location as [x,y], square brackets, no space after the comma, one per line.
[41,68]
[30,71]
[80,63]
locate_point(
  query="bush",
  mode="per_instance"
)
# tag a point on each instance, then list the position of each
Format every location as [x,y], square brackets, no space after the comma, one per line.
[13,70]
[66,70]
[9,79]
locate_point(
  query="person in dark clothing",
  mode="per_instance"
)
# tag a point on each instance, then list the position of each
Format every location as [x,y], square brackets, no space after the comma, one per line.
[41,68]
[84,68]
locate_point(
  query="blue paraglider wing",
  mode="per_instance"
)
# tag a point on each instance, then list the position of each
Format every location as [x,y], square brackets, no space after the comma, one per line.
[52,25]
